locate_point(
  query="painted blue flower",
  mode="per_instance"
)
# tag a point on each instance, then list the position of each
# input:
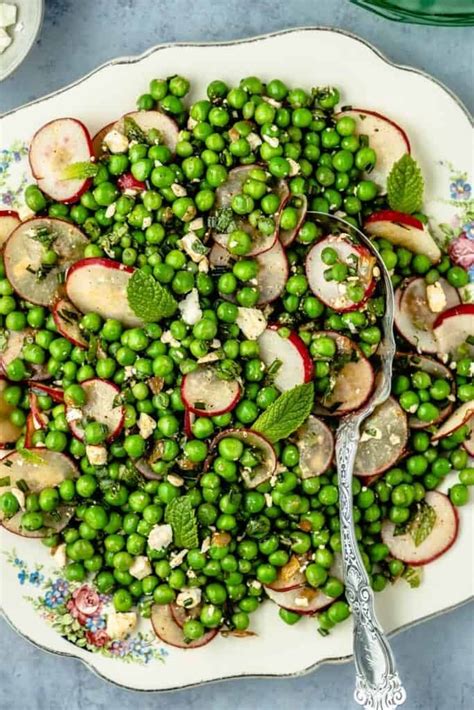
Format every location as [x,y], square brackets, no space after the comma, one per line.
[164,652]
[468,230]
[22,576]
[119,648]
[36,578]
[94,623]
[139,647]
[460,189]
[18,563]
[60,585]
[52,600]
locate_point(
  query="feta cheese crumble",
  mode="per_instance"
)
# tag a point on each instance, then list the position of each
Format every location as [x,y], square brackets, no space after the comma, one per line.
[160,537]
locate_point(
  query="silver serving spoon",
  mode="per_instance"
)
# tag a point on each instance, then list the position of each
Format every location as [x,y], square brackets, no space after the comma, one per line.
[378,686]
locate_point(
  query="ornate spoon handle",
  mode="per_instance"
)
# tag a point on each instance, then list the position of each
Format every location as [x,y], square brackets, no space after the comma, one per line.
[378,686]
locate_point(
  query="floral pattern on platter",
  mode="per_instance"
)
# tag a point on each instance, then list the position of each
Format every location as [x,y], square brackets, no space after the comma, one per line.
[13,178]
[459,233]
[79,614]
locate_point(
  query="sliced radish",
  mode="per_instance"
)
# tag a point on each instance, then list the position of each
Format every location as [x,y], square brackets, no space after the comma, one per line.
[38,469]
[56,394]
[438,541]
[414,318]
[168,631]
[219,257]
[387,138]
[272,273]
[288,236]
[30,428]
[303,600]
[55,146]
[452,328]
[98,147]
[24,252]
[382,440]
[9,433]
[127,183]
[181,615]
[16,340]
[468,444]
[99,285]
[334,293]
[189,419]
[66,318]
[261,447]
[206,394]
[353,382]
[9,221]
[403,230]
[296,365]
[290,576]
[315,444]
[39,417]
[436,370]
[459,418]
[152,120]
[100,406]
[224,196]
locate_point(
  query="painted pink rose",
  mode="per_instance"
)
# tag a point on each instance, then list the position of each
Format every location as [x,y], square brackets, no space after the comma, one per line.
[461,251]
[97,638]
[85,602]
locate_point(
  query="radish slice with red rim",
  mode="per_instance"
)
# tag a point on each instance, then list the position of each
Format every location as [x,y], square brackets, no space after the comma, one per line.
[56,394]
[189,419]
[468,443]
[386,137]
[147,121]
[219,257]
[206,394]
[352,383]
[181,615]
[458,418]
[403,230]
[98,146]
[9,221]
[454,331]
[168,631]
[54,147]
[40,418]
[295,363]
[272,273]
[16,339]
[38,468]
[24,252]
[414,318]
[9,433]
[130,185]
[438,371]
[444,529]
[333,293]
[303,600]
[315,443]
[300,204]
[67,318]
[383,439]
[260,447]
[99,285]
[224,196]
[101,406]
[290,576]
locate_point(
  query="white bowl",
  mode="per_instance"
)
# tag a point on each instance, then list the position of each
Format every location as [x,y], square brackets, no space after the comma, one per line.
[24,34]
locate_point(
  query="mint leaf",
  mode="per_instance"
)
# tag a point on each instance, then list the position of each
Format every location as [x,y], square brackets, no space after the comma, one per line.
[420,525]
[287,413]
[405,185]
[180,515]
[31,457]
[414,576]
[148,299]
[79,171]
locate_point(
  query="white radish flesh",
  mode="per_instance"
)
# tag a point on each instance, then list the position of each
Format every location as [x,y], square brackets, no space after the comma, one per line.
[403,230]
[206,394]
[414,318]
[387,138]
[152,120]
[438,541]
[290,576]
[168,631]
[263,449]
[296,365]
[16,339]
[54,147]
[9,433]
[334,293]
[101,406]
[453,328]
[383,438]
[459,418]
[99,286]
[24,252]
[219,257]
[272,273]
[67,319]
[315,444]
[8,222]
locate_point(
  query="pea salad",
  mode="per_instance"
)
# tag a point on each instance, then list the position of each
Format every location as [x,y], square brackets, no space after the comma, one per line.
[180,336]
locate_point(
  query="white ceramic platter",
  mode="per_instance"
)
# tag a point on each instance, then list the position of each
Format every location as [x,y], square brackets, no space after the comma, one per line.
[440,132]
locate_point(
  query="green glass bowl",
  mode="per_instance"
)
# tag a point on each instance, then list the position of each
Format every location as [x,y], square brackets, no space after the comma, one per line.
[454,13]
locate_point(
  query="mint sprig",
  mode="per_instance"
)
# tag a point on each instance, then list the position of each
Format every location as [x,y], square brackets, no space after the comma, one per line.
[287,413]
[180,515]
[420,525]
[148,299]
[405,185]
[80,171]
